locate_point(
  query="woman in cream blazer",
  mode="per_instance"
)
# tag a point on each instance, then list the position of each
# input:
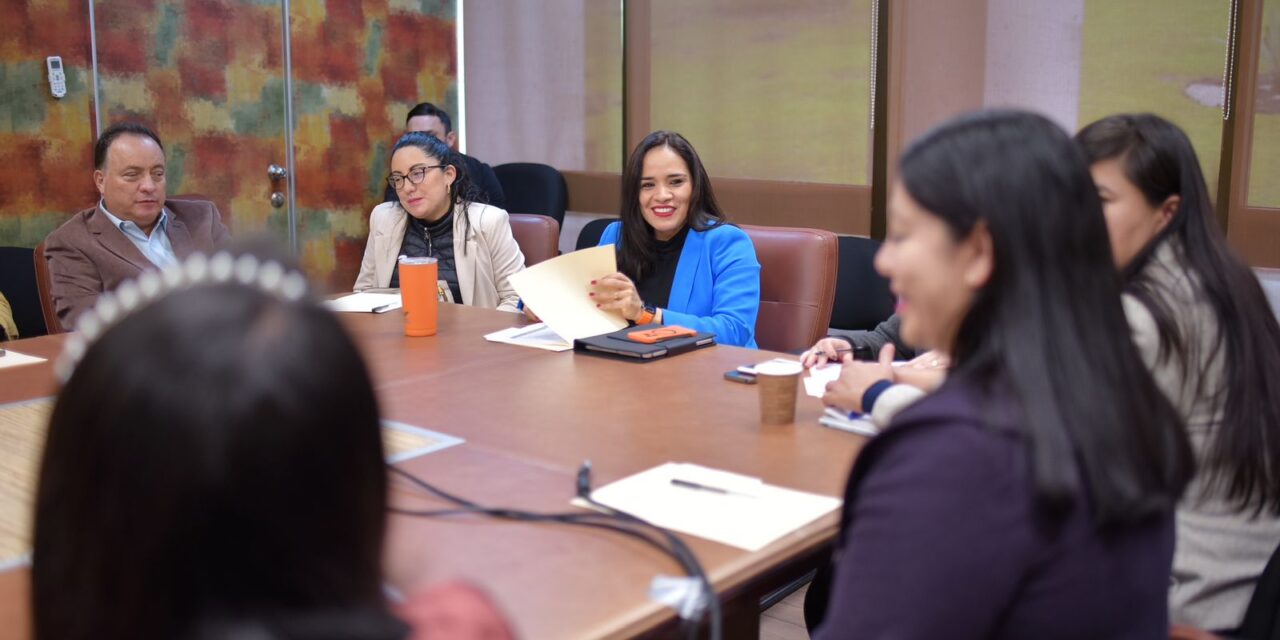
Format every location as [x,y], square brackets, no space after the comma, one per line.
[485,252]
[1212,343]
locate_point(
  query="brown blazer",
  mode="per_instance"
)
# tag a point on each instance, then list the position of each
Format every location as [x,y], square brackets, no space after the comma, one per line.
[88,255]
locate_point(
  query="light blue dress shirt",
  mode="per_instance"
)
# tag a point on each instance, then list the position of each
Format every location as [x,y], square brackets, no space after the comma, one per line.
[156,246]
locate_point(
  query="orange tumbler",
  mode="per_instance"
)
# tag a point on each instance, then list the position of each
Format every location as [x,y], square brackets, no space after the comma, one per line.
[418,293]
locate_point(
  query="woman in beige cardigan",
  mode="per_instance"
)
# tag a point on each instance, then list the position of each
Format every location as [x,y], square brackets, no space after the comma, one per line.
[434,217]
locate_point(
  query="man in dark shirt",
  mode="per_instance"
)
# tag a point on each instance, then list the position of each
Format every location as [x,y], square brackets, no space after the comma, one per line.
[428,118]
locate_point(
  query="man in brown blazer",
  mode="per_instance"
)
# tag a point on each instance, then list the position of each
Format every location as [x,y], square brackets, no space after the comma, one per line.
[133,228]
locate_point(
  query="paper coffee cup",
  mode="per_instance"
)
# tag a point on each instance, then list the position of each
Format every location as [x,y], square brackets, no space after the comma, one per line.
[778,383]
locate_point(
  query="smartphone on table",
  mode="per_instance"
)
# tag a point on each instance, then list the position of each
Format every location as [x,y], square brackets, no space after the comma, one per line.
[659,334]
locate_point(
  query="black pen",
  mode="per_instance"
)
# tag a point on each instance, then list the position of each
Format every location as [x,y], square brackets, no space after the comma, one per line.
[702,487]
[859,353]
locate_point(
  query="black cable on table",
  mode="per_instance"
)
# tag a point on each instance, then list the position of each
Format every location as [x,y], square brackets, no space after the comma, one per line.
[606,518]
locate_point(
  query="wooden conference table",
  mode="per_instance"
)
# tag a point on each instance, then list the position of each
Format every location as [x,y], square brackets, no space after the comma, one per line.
[529,418]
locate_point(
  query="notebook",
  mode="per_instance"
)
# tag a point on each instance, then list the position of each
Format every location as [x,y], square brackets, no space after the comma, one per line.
[365,302]
[616,344]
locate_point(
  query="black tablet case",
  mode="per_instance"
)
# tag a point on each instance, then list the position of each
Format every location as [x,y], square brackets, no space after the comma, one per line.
[617,345]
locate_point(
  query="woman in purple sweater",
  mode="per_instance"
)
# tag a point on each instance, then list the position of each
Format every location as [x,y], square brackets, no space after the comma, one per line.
[1032,495]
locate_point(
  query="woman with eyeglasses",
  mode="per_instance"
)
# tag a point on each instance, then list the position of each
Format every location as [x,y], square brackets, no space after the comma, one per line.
[435,216]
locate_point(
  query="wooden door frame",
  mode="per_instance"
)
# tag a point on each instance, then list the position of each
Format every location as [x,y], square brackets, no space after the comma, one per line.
[1253,231]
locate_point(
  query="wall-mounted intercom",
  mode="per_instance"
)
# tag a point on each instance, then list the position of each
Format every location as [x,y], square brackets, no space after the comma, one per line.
[57,77]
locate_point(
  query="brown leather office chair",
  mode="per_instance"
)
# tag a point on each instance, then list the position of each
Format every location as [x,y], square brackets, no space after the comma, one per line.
[797,285]
[44,285]
[537,235]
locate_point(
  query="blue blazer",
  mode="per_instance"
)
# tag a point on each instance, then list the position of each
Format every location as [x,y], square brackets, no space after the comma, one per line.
[717,283]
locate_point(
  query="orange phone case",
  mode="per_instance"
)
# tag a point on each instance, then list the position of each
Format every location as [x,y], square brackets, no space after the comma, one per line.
[651,336]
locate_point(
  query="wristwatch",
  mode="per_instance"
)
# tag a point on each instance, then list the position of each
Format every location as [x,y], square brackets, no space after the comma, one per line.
[647,314]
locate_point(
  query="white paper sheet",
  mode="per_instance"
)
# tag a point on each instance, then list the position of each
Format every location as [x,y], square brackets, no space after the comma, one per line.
[15,359]
[751,369]
[750,516]
[365,302]
[557,290]
[538,336]
[858,423]
[815,384]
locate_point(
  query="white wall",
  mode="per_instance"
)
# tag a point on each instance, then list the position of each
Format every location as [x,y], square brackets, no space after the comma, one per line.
[1033,57]
[525,81]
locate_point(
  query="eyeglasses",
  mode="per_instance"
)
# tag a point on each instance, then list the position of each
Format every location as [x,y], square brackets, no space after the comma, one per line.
[416,175]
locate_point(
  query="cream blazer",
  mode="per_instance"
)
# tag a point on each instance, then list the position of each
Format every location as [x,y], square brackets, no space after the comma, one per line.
[1220,551]
[485,258]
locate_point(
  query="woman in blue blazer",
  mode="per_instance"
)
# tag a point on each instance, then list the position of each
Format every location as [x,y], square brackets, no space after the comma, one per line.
[679,261]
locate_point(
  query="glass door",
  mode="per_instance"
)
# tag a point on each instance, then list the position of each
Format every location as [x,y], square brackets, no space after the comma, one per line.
[236,87]
[357,68]
[210,78]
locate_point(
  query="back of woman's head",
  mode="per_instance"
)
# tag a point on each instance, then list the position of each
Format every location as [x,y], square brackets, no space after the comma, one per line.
[346,624]
[1243,458]
[215,454]
[1048,324]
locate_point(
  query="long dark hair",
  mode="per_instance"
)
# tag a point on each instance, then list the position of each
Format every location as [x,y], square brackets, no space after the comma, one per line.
[639,248]
[1048,326]
[216,455]
[1243,456]
[345,624]
[463,191]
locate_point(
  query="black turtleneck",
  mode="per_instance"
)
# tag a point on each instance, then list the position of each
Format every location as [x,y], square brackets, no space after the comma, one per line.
[655,289]
[424,239]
